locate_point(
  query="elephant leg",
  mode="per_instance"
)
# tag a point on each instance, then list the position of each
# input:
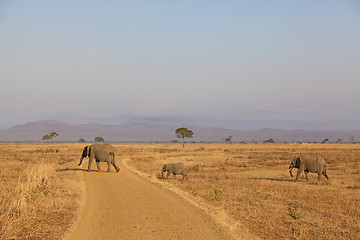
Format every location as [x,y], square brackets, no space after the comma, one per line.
[90,162]
[112,161]
[324,173]
[301,169]
[306,176]
[116,167]
[168,174]
[108,164]
[297,175]
[319,176]
[98,165]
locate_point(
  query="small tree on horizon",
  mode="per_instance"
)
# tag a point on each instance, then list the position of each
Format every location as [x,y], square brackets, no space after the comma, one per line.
[339,140]
[50,136]
[325,140]
[46,137]
[81,140]
[228,139]
[271,140]
[99,139]
[183,133]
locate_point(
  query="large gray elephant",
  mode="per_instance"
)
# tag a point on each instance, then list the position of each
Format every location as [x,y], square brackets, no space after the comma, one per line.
[174,168]
[313,164]
[101,153]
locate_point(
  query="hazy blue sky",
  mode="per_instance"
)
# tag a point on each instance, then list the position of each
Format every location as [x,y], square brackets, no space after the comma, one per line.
[234,64]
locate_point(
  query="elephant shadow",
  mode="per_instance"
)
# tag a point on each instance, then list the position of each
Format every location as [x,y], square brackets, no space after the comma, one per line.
[273,179]
[71,169]
[75,169]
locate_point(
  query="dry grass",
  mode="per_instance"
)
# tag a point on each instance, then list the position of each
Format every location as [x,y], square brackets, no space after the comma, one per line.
[37,199]
[258,190]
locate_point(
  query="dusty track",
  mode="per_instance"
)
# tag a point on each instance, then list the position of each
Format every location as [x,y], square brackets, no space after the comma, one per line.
[125,206]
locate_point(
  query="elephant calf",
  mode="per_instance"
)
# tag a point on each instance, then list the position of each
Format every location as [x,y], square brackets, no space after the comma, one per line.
[313,164]
[174,168]
[101,153]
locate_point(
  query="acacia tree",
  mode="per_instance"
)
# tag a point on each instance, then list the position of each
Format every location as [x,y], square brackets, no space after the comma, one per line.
[228,139]
[183,133]
[339,140]
[271,140]
[99,139]
[46,137]
[325,140]
[50,136]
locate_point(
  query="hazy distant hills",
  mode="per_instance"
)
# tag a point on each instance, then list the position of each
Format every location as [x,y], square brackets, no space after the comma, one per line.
[150,130]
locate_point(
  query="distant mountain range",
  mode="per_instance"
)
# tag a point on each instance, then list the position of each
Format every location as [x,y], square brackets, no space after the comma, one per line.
[151,130]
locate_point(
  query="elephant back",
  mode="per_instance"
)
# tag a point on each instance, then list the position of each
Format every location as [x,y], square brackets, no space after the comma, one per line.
[179,167]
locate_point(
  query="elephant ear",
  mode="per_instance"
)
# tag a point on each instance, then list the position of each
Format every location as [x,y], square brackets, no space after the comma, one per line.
[297,163]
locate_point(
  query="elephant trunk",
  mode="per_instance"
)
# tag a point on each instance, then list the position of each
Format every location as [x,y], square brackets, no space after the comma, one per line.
[81,159]
[162,172]
[84,154]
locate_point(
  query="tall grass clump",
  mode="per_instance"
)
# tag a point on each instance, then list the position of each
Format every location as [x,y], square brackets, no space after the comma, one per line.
[26,200]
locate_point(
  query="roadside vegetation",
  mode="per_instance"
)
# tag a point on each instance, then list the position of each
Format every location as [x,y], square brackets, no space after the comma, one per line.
[39,198]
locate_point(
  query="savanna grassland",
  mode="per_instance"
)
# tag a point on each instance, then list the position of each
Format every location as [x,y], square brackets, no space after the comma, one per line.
[251,183]
[42,189]
[39,199]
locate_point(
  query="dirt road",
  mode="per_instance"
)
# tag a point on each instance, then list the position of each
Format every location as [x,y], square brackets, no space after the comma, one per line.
[125,206]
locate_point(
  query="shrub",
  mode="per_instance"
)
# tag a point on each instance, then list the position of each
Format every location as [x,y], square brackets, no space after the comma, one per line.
[218,193]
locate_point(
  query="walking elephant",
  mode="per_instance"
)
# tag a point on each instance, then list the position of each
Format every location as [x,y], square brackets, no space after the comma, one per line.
[174,168]
[101,153]
[313,164]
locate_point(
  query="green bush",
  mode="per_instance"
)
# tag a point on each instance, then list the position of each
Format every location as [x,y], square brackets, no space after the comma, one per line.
[218,193]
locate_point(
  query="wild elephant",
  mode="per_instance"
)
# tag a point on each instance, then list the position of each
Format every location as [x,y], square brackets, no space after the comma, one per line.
[313,164]
[101,153]
[173,168]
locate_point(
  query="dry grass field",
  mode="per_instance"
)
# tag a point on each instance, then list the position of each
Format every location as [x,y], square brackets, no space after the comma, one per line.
[251,183]
[37,201]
